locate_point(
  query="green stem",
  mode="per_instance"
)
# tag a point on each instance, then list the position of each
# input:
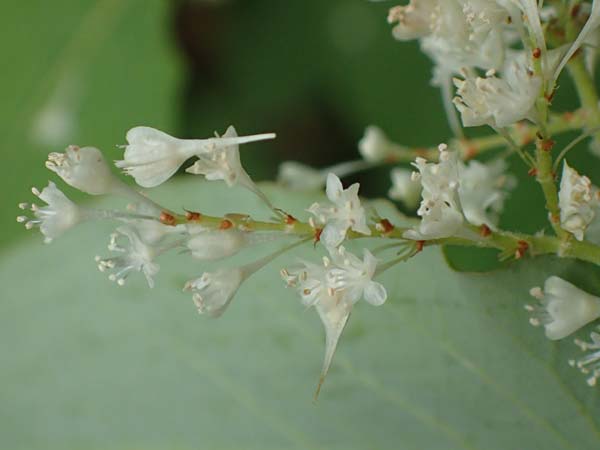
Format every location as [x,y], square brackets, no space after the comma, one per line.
[517,245]
[586,90]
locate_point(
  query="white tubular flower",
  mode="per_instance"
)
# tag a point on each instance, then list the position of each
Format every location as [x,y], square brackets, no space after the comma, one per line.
[375,146]
[213,291]
[498,102]
[590,363]
[345,213]
[58,216]
[440,210]
[85,169]
[413,21]
[216,244]
[353,278]
[563,308]
[483,190]
[152,157]
[405,188]
[136,256]
[575,202]
[300,177]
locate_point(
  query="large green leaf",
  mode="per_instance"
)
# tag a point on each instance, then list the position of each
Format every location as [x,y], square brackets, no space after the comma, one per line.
[449,362]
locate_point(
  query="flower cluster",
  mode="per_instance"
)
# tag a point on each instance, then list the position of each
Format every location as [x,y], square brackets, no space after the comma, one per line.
[497,65]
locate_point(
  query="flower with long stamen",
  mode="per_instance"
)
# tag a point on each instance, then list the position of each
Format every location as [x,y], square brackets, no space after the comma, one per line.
[136,256]
[152,156]
[86,169]
[563,308]
[590,363]
[345,212]
[59,214]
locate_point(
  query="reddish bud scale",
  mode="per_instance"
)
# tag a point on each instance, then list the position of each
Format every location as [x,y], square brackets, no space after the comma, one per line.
[532,172]
[485,231]
[290,220]
[522,248]
[575,10]
[167,219]
[386,226]
[537,52]
[555,218]
[420,245]
[547,145]
[225,224]
[471,152]
[318,232]
[193,216]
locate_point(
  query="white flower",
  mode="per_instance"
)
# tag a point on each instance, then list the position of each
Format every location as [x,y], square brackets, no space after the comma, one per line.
[563,308]
[211,245]
[300,177]
[213,291]
[353,278]
[482,191]
[85,169]
[375,146]
[333,288]
[590,363]
[575,199]
[345,213]
[498,102]
[136,256]
[152,157]
[405,188]
[454,33]
[58,216]
[440,210]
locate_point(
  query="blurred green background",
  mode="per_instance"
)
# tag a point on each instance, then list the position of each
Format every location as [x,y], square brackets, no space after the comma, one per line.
[86,365]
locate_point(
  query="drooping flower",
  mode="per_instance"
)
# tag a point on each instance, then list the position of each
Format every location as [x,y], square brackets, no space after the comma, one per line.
[590,363]
[575,200]
[345,213]
[85,169]
[333,288]
[58,216]
[405,188]
[440,210]
[135,256]
[497,101]
[563,308]
[213,291]
[152,156]
[483,190]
